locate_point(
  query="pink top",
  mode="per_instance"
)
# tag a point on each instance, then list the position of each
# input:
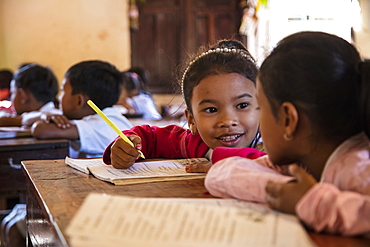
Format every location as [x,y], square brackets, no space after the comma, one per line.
[340,203]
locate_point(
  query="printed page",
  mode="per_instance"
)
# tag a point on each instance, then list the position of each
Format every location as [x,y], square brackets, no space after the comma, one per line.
[146,172]
[83,164]
[14,132]
[12,129]
[106,220]
[140,172]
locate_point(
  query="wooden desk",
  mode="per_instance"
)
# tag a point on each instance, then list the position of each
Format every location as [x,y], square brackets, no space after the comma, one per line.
[56,191]
[12,152]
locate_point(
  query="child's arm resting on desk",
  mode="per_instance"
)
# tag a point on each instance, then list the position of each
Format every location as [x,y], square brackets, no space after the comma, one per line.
[241,178]
[55,127]
[220,153]
[326,208]
[171,142]
[323,207]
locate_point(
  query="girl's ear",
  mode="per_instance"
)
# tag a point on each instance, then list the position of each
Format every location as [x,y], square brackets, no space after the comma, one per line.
[191,122]
[290,118]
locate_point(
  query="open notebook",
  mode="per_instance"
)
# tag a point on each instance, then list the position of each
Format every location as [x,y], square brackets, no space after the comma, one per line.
[140,172]
[112,220]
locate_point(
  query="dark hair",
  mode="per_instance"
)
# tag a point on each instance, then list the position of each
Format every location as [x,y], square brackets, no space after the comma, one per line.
[6,77]
[100,81]
[226,56]
[319,73]
[131,81]
[143,76]
[38,80]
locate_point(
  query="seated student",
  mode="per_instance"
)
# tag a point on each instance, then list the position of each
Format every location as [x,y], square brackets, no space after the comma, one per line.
[6,77]
[143,76]
[89,134]
[215,119]
[172,110]
[313,92]
[122,104]
[136,99]
[33,92]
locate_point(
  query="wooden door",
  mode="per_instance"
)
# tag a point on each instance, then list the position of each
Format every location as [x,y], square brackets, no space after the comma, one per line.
[170,30]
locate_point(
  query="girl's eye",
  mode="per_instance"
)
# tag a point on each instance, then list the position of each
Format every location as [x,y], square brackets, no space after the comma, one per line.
[210,110]
[242,105]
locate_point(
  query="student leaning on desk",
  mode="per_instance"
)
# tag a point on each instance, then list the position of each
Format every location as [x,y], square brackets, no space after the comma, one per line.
[89,134]
[313,92]
[135,99]
[33,92]
[6,77]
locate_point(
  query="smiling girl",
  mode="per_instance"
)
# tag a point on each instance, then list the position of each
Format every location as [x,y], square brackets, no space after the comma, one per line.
[219,89]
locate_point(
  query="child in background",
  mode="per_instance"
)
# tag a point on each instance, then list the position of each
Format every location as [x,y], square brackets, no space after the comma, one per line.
[137,100]
[143,76]
[89,134]
[220,93]
[122,104]
[313,92]
[6,77]
[34,89]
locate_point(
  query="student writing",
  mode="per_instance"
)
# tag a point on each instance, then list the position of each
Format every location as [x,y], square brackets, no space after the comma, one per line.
[34,89]
[313,93]
[100,82]
[219,90]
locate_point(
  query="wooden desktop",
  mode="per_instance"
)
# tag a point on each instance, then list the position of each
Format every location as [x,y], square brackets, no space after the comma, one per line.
[55,192]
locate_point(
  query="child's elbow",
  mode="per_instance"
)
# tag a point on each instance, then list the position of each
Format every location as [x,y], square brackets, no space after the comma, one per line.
[37,131]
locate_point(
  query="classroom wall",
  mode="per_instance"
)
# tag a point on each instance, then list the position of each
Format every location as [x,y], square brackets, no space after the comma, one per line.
[60,33]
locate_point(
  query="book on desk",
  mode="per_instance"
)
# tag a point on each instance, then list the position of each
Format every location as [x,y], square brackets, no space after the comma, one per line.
[116,220]
[140,172]
[113,220]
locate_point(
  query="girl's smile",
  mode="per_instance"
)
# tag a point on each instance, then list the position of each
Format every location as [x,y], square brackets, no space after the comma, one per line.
[225,110]
[230,140]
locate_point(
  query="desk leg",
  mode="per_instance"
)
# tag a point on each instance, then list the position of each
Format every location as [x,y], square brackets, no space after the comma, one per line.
[40,232]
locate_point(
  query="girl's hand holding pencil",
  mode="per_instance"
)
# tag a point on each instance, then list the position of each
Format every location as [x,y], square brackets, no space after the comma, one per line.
[115,128]
[123,155]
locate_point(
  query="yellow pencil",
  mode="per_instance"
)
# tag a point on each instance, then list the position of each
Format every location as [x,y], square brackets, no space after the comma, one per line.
[111,124]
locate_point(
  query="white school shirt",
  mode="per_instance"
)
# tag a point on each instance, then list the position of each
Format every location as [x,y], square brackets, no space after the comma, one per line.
[47,108]
[144,104]
[95,134]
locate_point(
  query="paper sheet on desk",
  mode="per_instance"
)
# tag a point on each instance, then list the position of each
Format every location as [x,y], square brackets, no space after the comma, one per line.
[106,220]
[14,132]
[141,172]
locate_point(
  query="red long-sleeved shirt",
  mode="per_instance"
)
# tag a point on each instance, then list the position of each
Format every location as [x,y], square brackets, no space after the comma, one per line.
[175,142]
